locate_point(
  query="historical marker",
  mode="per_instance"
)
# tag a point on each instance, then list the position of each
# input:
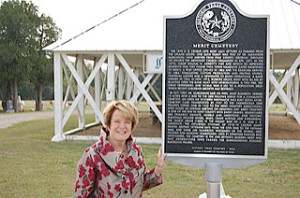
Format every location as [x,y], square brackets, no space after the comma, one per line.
[216,84]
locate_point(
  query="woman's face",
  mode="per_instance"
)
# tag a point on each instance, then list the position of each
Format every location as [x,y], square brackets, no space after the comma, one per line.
[120,127]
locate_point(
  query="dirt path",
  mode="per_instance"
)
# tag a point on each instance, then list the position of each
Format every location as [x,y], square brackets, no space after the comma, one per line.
[9,119]
[283,128]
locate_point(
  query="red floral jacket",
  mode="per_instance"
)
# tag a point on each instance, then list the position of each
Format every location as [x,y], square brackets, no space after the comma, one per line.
[102,173]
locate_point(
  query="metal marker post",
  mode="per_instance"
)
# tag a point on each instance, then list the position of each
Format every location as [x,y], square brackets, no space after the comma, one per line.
[213,175]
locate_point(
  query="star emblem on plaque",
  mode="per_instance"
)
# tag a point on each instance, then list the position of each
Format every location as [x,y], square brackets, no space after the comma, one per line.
[215,22]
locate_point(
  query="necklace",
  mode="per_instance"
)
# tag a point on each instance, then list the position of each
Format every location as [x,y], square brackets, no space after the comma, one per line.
[121,153]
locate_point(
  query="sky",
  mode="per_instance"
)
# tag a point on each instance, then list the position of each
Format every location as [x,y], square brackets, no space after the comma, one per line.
[75,16]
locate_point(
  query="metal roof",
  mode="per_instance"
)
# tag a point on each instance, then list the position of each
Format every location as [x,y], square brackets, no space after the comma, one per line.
[140,26]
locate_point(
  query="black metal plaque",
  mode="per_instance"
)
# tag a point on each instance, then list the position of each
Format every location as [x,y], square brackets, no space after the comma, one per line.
[215,80]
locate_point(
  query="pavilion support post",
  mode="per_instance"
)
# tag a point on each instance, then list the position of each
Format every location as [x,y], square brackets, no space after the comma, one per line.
[58,96]
[69,89]
[110,91]
[296,88]
[103,78]
[97,90]
[81,105]
[128,87]
[121,82]
[289,92]
[135,89]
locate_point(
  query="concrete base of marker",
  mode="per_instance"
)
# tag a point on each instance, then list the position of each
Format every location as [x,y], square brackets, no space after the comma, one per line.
[204,195]
[222,193]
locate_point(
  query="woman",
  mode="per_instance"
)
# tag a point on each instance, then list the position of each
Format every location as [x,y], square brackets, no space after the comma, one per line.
[115,166]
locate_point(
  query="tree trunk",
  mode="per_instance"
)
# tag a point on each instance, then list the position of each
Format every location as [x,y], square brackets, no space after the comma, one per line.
[15,95]
[3,98]
[11,91]
[8,95]
[38,98]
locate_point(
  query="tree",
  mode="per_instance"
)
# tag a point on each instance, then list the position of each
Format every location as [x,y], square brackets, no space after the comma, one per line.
[41,62]
[23,35]
[16,28]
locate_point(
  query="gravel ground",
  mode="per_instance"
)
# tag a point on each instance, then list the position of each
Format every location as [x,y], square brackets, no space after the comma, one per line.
[9,119]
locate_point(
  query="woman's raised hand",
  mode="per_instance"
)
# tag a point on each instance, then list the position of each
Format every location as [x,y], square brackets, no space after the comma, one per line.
[161,163]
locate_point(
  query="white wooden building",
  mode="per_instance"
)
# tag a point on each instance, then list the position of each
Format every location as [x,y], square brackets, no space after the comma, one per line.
[122,45]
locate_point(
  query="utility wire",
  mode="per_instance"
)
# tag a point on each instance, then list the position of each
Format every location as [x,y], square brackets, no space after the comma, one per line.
[102,22]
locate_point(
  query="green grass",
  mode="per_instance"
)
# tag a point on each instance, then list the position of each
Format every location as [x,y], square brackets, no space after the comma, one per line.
[32,166]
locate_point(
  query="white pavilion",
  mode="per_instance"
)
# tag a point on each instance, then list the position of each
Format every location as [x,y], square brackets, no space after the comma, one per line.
[124,46]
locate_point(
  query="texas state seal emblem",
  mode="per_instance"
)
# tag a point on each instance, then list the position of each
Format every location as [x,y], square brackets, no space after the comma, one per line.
[215,22]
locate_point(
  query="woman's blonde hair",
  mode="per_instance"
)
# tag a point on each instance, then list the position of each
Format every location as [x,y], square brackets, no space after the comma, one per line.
[128,110]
